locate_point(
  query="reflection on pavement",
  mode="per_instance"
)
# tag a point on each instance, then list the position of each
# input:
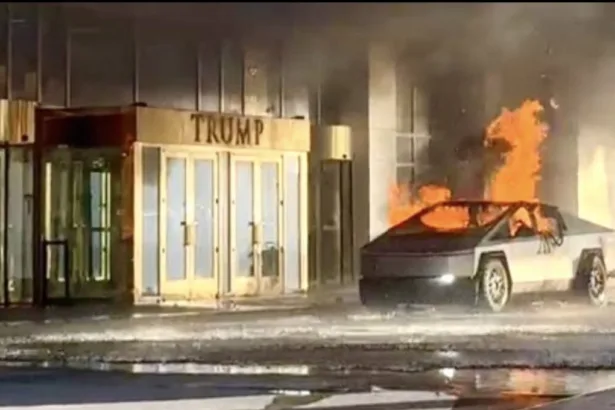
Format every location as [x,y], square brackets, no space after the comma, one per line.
[203,386]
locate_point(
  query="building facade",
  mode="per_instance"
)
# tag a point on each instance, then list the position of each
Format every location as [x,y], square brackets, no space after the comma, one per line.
[173,207]
[150,162]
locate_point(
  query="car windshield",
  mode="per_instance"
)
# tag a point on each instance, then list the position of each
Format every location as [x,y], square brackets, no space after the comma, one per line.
[449,217]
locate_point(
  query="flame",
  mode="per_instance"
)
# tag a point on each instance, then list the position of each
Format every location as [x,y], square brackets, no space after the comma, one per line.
[515,180]
[402,205]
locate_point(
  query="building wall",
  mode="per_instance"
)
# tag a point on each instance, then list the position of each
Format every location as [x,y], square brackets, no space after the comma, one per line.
[66,57]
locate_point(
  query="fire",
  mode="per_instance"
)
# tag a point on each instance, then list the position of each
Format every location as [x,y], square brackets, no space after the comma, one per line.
[402,205]
[515,180]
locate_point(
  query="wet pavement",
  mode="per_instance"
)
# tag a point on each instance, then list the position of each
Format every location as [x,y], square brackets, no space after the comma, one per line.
[547,336]
[440,358]
[270,388]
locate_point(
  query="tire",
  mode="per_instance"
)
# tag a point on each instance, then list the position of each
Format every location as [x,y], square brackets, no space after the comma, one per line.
[373,299]
[595,280]
[494,285]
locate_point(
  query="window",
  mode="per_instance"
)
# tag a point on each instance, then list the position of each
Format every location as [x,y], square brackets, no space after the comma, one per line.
[411,157]
[469,217]
[412,104]
[412,143]
[167,70]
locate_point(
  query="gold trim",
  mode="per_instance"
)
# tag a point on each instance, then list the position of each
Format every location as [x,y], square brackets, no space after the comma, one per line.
[137,210]
[163,126]
[303,216]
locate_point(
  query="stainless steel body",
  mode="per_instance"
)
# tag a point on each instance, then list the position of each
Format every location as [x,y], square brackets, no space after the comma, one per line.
[410,257]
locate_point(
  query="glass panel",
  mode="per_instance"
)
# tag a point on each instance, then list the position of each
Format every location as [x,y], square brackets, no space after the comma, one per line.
[80,210]
[54,55]
[330,253]
[150,226]
[20,225]
[204,218]
[100,225]
[270,202]
[101,65]
[403,148]
[2,223]
[23,51]
[57,214]
[292,271]
[244,218]
[167,71]
[346,221]
[210,78]
[79,255]
[262,82]
[232,69]
[97,249]
[296,85]
[3,49]
[176,217]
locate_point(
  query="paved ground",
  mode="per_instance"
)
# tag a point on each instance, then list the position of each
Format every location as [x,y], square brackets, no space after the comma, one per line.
[547,335]
[270,358]
[112,389]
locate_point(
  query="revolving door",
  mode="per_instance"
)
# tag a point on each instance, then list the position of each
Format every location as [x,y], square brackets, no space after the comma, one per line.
[82,223]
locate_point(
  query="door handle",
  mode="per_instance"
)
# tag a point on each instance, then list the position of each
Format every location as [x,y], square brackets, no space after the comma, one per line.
[188,233]
[256,233]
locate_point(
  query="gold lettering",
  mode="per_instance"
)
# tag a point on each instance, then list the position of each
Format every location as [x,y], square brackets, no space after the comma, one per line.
[212,136]
[259,126]
[197,118]
[243,133]
[227,130]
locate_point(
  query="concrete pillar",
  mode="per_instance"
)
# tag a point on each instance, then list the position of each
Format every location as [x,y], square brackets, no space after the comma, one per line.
[382,125]
[595,175]
[370,111]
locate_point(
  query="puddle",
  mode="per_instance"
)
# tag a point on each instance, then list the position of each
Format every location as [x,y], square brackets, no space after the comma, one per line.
[165,368]
[466,382]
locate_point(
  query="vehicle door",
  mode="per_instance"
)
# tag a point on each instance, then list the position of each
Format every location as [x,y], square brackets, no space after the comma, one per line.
[557,251]
[529,254]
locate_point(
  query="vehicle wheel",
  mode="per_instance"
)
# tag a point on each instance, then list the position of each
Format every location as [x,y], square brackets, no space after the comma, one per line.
[374,300]
[494,285]
[595,280]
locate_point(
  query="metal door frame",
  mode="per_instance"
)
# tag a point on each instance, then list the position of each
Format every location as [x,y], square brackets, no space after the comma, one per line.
[255,284]
[172,288]
[190,287]
[202,288]
[5,148]
[83,155]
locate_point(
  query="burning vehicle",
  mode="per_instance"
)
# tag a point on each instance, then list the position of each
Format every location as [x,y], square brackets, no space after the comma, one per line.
[485,252]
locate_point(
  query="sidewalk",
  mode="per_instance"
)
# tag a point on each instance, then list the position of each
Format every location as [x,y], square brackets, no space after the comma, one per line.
[320,299]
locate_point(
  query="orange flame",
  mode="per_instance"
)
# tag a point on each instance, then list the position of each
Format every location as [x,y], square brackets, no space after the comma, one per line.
[515,180]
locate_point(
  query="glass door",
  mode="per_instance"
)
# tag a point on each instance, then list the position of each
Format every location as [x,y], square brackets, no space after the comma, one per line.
[204,249]
[189,203]
[256,209]
[82,195]
[174,227]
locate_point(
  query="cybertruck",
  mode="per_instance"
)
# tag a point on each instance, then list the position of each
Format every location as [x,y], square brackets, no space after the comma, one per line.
[484,253]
